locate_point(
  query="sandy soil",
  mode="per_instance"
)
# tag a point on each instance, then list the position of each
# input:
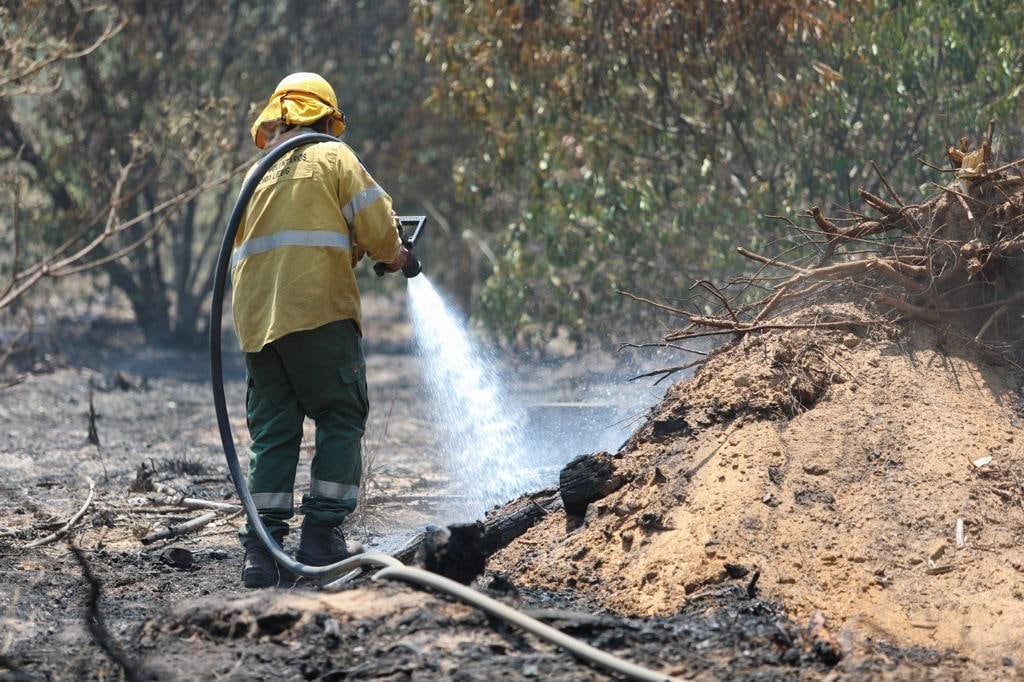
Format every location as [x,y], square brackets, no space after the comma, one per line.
[840,468]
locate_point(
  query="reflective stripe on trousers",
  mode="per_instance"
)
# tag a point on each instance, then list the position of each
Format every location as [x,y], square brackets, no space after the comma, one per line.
[273,500]
[334,491]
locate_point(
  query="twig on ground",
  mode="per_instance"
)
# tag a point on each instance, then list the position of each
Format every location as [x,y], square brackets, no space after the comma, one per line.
[177,529]
[62,531]
[193,503]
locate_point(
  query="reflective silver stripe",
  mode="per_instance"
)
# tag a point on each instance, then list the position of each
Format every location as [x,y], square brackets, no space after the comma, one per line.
[361,201]
[272,500]
[334,491]
[289,238]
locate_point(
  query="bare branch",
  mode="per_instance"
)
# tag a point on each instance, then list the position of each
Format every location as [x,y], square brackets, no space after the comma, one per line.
[667,371]
[53,265]
[661,306]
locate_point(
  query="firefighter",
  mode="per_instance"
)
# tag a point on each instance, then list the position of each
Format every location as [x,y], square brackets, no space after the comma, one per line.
[296,310]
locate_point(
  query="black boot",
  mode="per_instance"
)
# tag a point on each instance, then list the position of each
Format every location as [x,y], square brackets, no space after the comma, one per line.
[259,568]
[321,545]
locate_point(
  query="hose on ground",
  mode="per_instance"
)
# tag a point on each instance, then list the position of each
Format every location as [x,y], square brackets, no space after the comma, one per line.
[579,649]
[392,569]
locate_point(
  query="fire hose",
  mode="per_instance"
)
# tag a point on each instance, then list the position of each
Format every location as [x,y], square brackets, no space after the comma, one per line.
[391,568]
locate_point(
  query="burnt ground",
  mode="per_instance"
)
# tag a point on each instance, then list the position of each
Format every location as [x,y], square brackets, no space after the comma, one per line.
[179,619]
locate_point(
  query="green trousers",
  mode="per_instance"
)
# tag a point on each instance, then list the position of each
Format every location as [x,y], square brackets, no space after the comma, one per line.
[320,374]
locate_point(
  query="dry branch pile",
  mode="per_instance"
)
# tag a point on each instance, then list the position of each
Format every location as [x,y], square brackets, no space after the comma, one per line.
[953,260]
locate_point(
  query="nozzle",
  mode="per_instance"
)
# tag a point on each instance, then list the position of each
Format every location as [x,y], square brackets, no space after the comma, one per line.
[413,266]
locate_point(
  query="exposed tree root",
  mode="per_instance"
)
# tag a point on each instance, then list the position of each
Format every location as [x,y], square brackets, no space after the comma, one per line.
[954,259]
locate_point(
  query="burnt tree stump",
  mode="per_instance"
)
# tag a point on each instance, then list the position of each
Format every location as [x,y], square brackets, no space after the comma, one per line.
[453,552]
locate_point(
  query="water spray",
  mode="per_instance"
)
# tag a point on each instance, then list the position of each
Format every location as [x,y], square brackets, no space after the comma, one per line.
[390,567]
[482,429]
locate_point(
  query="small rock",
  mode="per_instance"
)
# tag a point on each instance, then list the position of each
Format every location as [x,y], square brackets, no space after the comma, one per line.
[937,548]
[651,521]
[331,629]
[742,381]
[787,580]
[851,341]
[736,571]
[668,424]
[815,469]
[178,557]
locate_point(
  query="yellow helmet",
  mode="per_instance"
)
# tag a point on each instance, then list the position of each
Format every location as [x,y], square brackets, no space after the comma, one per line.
[300,99]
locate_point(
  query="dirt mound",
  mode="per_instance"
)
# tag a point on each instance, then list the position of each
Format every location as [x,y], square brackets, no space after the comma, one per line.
[837,467]
[862,457]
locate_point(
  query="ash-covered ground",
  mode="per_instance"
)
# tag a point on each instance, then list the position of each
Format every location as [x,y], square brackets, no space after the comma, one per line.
[180,615]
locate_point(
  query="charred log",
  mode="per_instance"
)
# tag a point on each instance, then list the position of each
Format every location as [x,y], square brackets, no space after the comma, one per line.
[586,479]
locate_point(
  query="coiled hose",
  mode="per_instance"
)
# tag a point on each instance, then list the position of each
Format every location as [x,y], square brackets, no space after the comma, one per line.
[392,569]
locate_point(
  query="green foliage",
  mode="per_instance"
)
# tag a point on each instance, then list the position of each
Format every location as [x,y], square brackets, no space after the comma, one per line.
[593,146]
[631,145]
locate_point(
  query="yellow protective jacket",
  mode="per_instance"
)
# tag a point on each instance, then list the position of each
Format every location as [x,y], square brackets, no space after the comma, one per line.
[312,217]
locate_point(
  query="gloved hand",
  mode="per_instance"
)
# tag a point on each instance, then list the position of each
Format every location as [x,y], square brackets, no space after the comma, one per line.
[400,260]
